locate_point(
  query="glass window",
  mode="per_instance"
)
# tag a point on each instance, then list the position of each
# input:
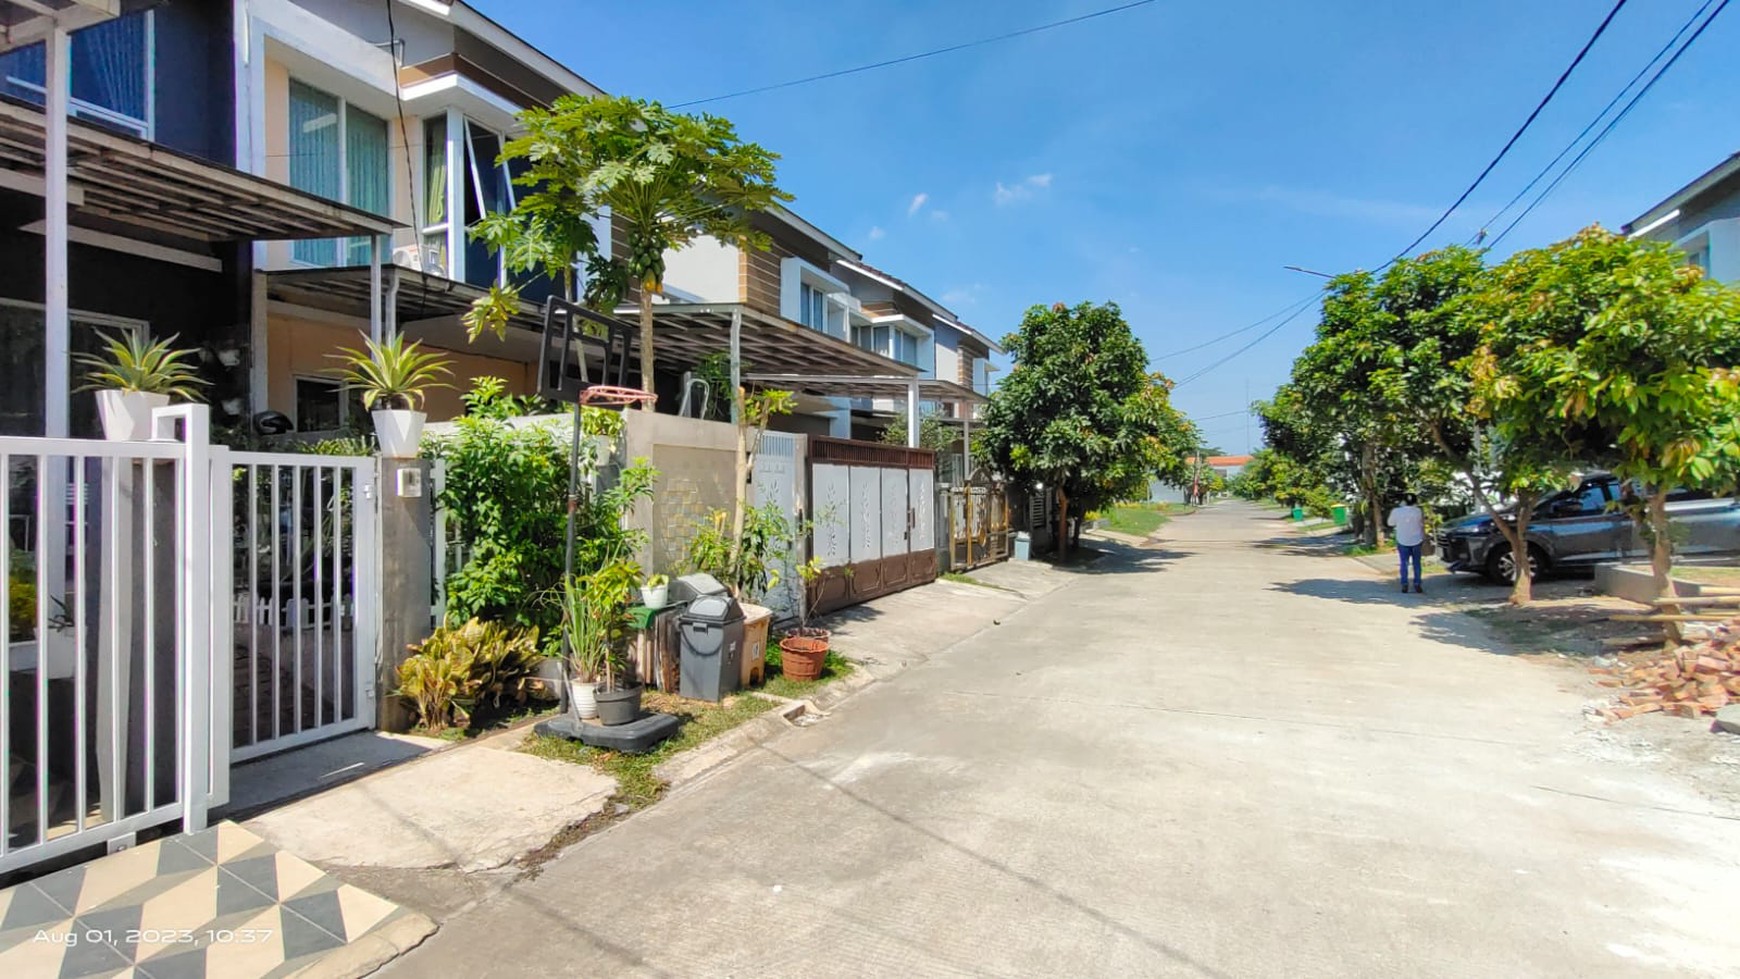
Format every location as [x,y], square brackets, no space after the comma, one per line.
[861,337]
[324,405]
[880,341]
[109,65]
[906,348]
[1592,498]
[812,307]
[487,191]
[22,380]
[339,152]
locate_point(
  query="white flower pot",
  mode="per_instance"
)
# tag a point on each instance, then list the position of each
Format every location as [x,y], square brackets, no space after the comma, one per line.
[400,432]
[127,414]
[583,694]
[655,596]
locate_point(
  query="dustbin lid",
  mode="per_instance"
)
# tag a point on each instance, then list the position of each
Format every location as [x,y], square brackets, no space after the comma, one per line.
[692,586]
[717,609]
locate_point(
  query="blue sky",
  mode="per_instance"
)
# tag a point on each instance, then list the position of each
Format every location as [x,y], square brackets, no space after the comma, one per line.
[1174,157]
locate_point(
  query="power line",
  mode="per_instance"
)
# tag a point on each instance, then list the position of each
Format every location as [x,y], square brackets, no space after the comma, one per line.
[1224,414]
[1518,134]
[1478,236]
[1260,338]
[917,57]
[1243,329]
[1616,120]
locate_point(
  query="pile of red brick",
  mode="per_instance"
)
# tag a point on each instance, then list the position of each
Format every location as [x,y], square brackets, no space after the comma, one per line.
[1691,681]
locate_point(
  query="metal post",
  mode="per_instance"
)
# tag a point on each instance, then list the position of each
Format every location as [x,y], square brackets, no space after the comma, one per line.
[912,414]
[375,319]
[57,325]
[391,314]
[736,361]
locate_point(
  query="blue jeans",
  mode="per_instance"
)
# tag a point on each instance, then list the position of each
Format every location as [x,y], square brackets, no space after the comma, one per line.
[1407,553]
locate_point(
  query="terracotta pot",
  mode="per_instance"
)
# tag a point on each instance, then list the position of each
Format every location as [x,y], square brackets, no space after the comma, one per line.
[126,415]
[801,657]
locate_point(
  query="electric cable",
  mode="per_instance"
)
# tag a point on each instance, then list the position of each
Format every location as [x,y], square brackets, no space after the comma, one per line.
[917,57]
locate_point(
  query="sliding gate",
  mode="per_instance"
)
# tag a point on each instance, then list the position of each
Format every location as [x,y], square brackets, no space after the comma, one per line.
[875,526]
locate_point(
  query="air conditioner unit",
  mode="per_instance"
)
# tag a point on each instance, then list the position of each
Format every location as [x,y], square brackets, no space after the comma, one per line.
[419,258]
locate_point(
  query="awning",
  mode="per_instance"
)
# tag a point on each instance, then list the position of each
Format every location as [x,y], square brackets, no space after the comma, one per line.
[686,334]
[869,386]
[420,295]
[142,184]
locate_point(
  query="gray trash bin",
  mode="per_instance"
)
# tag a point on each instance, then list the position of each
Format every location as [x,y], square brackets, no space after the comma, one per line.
[712,647]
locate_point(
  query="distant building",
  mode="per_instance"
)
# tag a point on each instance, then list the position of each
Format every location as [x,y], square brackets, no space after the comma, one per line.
[1702,219]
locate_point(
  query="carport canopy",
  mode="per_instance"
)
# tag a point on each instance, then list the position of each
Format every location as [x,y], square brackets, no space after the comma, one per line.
[912,389]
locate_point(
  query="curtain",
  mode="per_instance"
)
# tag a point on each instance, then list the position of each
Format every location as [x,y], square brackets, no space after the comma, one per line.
[313,148]
[434,171]
[109,66]
[369,168]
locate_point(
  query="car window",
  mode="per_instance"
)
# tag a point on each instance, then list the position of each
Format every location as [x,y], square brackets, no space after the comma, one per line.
[1592,498]
[1681,495]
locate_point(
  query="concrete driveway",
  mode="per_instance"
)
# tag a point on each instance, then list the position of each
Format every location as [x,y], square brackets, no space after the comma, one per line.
[1219,756]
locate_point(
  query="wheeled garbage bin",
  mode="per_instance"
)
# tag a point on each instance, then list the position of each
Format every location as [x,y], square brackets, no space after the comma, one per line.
[712,647]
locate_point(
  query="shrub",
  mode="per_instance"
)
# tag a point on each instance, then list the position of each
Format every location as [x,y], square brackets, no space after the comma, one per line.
[458,667]
[21,608]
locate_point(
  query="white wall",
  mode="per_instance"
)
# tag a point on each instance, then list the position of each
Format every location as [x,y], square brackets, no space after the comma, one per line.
[707,269]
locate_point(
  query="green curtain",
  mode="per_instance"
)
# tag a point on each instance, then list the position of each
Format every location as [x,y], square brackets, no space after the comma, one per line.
[314,127]
[369,167]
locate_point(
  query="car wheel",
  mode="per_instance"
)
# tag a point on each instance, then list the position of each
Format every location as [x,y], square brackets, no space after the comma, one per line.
[1501,566]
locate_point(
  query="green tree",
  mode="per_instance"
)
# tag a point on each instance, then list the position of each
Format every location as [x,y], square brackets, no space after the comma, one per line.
[670,177]
[1629,355]
[1079,412]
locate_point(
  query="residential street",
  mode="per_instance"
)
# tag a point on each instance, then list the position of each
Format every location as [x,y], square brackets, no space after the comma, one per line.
[1220,756]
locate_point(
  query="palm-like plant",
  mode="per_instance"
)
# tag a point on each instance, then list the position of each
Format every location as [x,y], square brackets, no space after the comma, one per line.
[131,363]
[392,372]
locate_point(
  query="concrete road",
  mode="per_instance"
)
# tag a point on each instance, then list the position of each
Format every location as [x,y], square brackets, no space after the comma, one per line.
[1218,757]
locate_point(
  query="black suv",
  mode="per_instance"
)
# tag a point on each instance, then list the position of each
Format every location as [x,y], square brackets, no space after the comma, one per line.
[1584,527]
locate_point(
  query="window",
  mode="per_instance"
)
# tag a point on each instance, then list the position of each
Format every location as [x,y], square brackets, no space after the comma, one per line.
[323,405]
[1699,257]
[22,379]
[110,69]
[906,348]
[813,307]
[488,190]
[434,247]
[1592,498]
[339,152]
[861,337]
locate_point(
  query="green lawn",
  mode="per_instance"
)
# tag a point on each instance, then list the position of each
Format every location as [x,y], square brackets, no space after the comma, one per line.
[1709,576]
[1141,519]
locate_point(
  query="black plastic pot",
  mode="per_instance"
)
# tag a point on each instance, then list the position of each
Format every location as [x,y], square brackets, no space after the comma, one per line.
[618,706]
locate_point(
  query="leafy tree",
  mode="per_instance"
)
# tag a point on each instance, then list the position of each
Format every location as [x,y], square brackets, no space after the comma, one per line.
[671,177]
[1079,412]
[933,433]
[1629,355]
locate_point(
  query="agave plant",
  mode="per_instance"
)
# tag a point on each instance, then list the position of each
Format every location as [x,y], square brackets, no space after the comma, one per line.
[391,373]
[131,363]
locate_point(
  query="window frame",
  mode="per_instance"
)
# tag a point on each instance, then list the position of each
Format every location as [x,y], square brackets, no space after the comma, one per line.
[472,167]
[77,319]
[344,403]
[145,128]
[345,106]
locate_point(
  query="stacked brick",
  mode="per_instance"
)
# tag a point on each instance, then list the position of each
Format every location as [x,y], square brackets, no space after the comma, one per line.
[1691,680]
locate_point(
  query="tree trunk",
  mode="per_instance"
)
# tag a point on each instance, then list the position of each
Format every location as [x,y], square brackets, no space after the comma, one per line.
[1062,521]
[646,340]
[1368,487]
[1661,559]
[1522,591]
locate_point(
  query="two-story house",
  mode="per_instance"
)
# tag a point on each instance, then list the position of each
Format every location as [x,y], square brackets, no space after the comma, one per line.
[400,108]
[130,217]
[1702,219]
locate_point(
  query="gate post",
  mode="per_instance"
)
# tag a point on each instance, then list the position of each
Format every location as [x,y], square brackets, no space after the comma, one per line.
[407,584]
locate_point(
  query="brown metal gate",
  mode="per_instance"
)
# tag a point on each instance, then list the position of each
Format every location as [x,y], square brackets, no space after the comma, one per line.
[875,529]
[978,525]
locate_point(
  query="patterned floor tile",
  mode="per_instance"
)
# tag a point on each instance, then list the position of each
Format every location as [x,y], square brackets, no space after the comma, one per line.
[221,903]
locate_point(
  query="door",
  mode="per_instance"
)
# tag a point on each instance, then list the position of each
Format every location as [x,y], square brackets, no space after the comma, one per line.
[302,597]
[775,481]
[1581,529]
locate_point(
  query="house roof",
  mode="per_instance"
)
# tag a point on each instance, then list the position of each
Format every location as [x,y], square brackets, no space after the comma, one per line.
[938,310]
[793,220]
[687,333]
[1225,461]
[869,386]
[1685,195]
[146,185]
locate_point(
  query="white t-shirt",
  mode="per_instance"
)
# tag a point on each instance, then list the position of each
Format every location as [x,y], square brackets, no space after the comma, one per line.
[1410,524]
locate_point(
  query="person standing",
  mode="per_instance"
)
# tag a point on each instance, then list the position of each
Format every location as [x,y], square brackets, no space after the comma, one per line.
[1409,522]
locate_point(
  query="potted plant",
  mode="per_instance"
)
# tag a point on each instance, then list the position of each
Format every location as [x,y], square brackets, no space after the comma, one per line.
[597,620]
[132,377]
[804,650]
[391,377]
[586,648]
[656,593]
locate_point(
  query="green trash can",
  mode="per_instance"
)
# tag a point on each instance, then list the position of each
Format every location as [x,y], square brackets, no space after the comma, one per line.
[1298,513]
[1339,512]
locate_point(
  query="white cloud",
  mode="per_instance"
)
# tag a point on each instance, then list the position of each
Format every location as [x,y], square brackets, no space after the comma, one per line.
[876,233]
[917,203]
[1021,191]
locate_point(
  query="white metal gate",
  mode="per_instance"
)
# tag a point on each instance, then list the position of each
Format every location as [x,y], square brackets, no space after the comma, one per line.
[873,507]
[775,481]
[303,590]
[113,707]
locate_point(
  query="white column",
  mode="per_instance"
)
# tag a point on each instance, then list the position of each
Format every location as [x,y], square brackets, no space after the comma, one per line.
[57,345]
[456,165]
[736,359]
[912,414]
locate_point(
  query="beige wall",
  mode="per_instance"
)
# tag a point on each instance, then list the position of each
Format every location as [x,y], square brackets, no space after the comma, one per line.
[299,347]
[696,464]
